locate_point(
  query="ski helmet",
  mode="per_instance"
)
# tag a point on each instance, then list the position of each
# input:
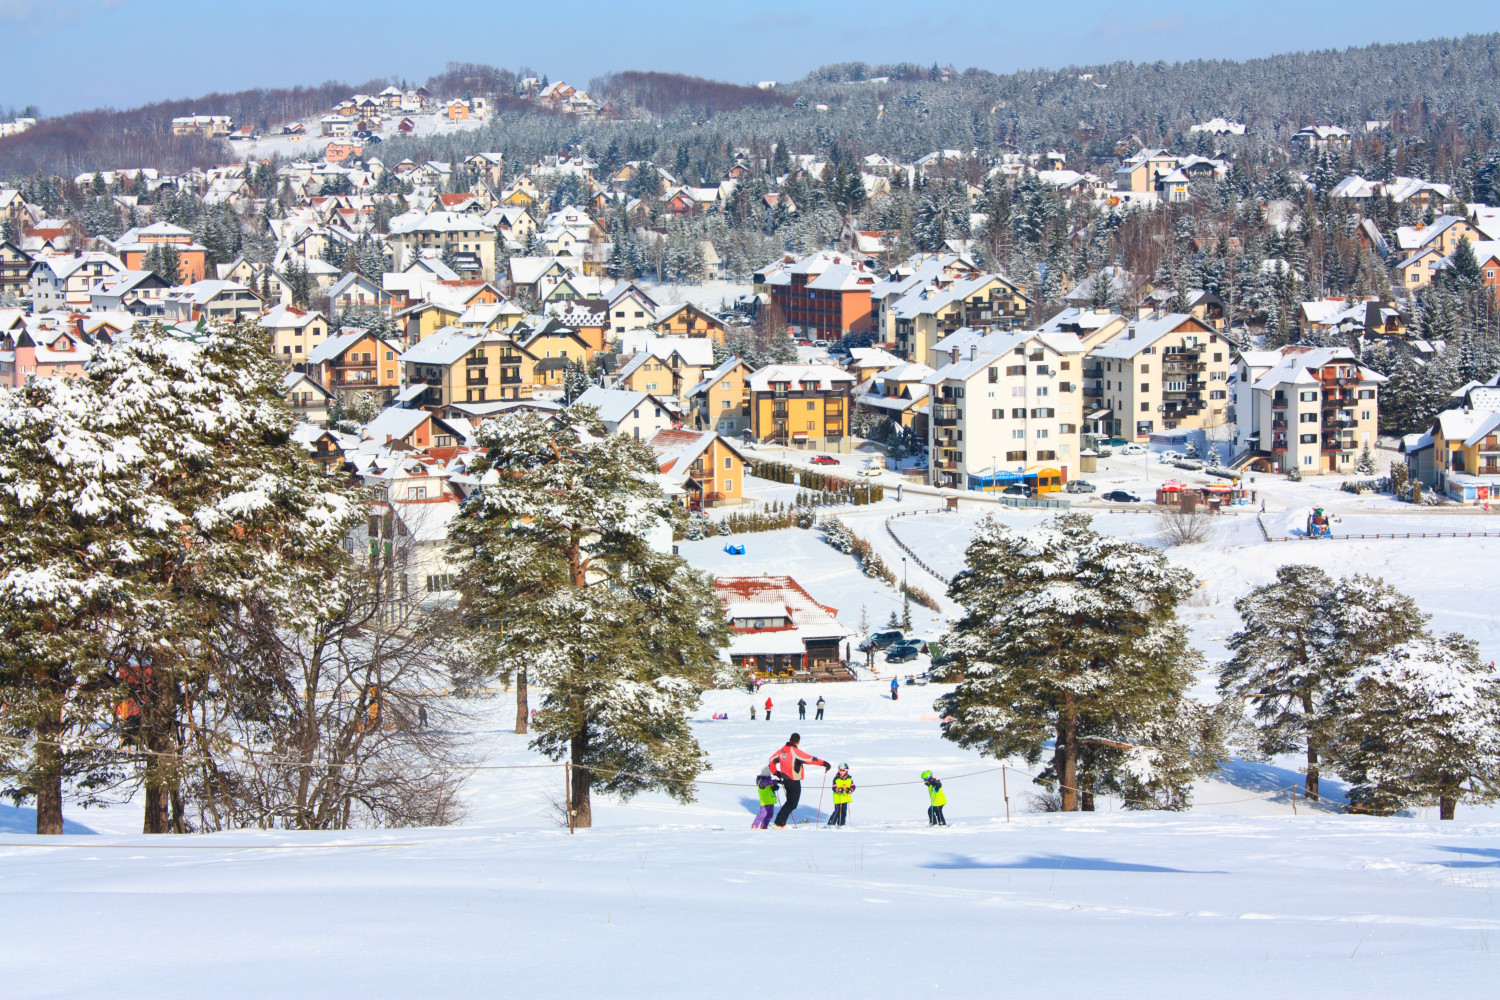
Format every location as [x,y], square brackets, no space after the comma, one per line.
[926,775]
[843,767]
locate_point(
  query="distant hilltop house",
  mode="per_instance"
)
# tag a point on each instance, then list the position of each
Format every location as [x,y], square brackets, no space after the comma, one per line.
[16,127]
[1322,137]
[1219,126]
[207,126]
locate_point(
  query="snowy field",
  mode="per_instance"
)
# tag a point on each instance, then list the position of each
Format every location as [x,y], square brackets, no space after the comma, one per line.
[1239,897]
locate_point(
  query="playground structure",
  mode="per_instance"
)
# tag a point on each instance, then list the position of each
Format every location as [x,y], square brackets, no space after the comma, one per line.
[1317,524]
[1214,496]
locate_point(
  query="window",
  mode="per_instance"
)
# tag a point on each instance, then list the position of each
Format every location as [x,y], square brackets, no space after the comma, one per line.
[1307,460]
[1145,369]
[1018,414]
[811,405]
[1015,370]
[1308,439]
[725,404]
[1176,386]
[1041,432]
[1145,386]
[1367,394]
[1018,390]
[1364,414]
[440,581]
[1044,411]
[286,350]
[811,425]
[1046,456]
[1308,397]
[1218,394]
[416,493]
[728,463]
[1041,390]
[994,374]
[1042,369]
[1018,434]
[729,486]
[1218,357]
[1063,365]
[444,440]
[1015,456]
[390,355]
[997,414]
[1145,407]
[1307,418]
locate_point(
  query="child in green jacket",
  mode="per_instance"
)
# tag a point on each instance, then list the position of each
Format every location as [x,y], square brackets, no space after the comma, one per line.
[936,800]
[766,784]
[843,794]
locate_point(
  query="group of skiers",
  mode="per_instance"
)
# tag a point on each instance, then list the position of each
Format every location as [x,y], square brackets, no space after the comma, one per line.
[801,708]
[785,771]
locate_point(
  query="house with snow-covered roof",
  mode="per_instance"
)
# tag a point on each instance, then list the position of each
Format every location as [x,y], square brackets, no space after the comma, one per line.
[707,467]
[803,406]
[1309,408]
[780,631]
[638,415]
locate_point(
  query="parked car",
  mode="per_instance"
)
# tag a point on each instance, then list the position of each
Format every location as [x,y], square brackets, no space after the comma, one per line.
[1079,486]
[881,640]
[1017,490]
[1120,496]
[1132,449]
[824,460]
[901,654]
[1171,456]
[820,343]
[872,473]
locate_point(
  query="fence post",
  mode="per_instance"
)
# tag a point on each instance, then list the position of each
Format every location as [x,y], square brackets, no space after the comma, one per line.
[1005,790]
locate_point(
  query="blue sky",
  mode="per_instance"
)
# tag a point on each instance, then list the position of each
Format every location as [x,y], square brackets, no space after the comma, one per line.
[64,55]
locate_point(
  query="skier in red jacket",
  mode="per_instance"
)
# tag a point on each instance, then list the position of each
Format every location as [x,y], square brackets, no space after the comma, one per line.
[786,764]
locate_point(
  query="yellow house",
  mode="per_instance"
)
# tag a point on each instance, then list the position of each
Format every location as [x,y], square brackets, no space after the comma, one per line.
[456,365]
[1466,455]
[687,320]
[805,406]
[551,340]
[426,318]
[293,332]
[721,401]
[357,362]
[668,366]
[707,467]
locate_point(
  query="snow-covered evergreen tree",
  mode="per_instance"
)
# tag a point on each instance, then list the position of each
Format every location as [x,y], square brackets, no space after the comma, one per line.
[1302,637]
[1420,723]
[1069,637]
[559,579]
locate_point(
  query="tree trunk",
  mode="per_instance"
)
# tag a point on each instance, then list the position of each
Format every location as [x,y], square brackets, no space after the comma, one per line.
[1065,760]
[522,714]
[1311,787]
[578,794]
[49,777]
[1446,805]
[161,767]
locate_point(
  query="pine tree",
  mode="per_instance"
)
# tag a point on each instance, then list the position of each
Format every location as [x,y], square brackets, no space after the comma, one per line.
[1366,464]
[1067,636]
[1302,637]
[559,579]
[1420,722]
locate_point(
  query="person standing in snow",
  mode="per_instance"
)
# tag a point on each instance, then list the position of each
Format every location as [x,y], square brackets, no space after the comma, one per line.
[766,785]
[752,711]
[786,764]
[895,689]
[843,793]
[936,800]
[820,708]
[802,708]
[768,708]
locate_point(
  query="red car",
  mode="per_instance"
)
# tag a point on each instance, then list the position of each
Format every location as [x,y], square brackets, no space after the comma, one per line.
[824,460]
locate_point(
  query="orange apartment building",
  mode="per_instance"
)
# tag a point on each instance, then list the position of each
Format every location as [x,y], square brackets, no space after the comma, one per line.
[823,296]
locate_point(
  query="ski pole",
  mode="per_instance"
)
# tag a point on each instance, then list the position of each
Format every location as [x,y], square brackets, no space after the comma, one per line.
[819,820]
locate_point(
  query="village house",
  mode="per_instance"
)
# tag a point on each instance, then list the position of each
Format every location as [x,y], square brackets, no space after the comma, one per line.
[307,399]
[721,399]
[638,415]
[687,320]
[704,465]
[42,351]
[357,365]
[293,332]
[67,282]
[473,366]
[781,632]
[667,366]
[212,300]
[898,394]
[464,236]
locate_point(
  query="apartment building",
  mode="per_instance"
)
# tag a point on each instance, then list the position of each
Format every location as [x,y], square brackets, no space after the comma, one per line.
[1168,373]
[1011,409]
[927,314]
[721,399]
[823,295]
[804,406]
[1313,409]
[469,239]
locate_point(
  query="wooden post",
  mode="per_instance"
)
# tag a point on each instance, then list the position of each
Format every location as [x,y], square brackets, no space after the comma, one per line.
[1005,790]
[1294,800]
[568,792]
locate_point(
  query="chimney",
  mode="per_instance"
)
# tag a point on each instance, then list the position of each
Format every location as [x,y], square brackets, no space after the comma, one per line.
[973,351]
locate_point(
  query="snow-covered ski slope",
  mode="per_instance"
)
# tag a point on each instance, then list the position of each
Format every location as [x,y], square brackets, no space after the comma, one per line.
[1237,898]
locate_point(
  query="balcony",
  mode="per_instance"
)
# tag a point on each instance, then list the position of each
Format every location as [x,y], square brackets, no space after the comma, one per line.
[945,465]
[481,379]
[1279,404]
[475,362]
[1093,392]
[945,416]
[1093,372]
[1278,425]
[1331,444]
[1334,423]
[1278,444]
[1182,367]
[1488,470]
[945,441]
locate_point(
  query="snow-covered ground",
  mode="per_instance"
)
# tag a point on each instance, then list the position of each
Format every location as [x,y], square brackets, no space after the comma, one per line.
[1238,897]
